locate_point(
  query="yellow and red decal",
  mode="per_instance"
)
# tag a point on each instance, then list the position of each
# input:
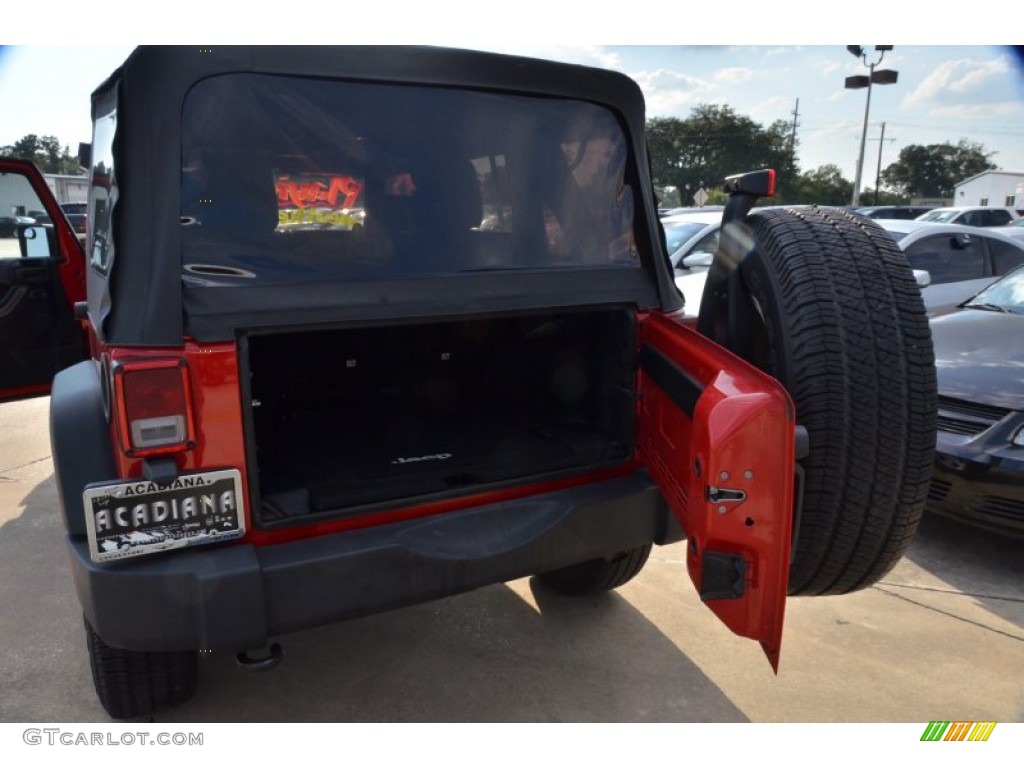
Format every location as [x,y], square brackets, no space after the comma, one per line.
[319,201]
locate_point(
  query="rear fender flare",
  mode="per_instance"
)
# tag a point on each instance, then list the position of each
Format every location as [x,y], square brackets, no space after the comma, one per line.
[79,439]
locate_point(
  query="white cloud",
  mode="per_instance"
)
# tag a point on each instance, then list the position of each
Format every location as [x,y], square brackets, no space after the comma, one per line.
[841,129]
[770,110]
[733,75]
[669,78]
[978,77]
[959,79]
[670,93]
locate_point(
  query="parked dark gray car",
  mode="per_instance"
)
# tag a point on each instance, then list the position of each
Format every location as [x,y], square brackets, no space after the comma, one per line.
[979,355]
[894,211]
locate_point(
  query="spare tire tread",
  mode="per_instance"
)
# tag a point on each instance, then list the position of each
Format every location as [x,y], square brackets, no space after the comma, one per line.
[854,350]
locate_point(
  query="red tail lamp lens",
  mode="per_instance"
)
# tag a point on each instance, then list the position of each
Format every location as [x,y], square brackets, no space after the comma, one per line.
[155,407]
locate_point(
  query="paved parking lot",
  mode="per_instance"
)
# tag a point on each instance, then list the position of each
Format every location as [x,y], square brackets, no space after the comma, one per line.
[942,638]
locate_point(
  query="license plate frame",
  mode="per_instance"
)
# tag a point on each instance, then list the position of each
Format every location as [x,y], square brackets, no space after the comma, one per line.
[130,518]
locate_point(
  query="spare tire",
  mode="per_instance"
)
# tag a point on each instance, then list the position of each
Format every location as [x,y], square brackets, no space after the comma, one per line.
[836,316]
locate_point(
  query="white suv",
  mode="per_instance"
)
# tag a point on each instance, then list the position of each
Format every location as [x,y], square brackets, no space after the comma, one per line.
[971,216]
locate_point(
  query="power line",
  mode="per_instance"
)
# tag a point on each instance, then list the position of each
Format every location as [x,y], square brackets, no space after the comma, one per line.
[961,128]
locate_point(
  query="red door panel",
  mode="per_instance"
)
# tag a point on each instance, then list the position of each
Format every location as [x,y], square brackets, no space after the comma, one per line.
[717,435]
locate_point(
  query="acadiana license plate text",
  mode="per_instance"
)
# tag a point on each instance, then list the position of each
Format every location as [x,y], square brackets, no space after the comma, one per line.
[134,518]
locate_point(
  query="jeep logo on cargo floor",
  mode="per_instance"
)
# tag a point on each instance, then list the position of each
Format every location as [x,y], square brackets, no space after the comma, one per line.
[428,457]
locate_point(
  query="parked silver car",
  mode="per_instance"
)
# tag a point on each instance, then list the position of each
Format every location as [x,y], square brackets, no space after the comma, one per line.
[692,232]
[952,262]
[1014,229]
[960,260]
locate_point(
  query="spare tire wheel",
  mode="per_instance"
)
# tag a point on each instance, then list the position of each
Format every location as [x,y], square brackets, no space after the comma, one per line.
[838,319]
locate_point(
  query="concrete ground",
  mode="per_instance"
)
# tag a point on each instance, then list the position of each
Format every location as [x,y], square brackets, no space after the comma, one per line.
[941,638]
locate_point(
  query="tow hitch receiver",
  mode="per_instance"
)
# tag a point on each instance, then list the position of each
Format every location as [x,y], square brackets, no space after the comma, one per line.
[271,660]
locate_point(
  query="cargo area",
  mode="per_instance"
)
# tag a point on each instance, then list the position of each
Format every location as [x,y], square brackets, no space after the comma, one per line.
[352,419]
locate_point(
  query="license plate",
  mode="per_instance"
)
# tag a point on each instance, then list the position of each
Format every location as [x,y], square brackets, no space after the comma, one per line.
[138,517]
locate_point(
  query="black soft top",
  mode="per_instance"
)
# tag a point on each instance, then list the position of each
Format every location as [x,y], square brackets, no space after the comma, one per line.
[140,301]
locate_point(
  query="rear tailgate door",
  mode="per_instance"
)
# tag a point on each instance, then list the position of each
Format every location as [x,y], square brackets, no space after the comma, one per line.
[717,435]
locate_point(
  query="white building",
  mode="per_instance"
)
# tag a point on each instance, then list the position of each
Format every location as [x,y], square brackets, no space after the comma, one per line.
[995,188]
[70,189]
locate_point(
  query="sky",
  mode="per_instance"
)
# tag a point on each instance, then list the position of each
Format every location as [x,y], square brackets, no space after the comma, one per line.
[944,92]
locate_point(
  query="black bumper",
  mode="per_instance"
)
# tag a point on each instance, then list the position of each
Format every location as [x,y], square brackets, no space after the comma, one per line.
[980,482]
[235,598]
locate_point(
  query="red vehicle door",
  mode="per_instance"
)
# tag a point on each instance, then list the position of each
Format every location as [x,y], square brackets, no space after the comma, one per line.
[42,275]
[718,436]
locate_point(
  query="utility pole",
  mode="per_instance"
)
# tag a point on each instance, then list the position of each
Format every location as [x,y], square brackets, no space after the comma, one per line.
[878,172]
[792,135]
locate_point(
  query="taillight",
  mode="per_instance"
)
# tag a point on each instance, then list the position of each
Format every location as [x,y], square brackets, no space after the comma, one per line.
[154,406]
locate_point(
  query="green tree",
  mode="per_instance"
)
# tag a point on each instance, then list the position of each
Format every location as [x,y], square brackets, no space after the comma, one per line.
[933,170]
[715,142]
[824,185]
[45,151]
[884,197]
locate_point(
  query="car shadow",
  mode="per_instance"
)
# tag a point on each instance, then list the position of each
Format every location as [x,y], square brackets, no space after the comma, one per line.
[984,566]
[44,669]
[505,653]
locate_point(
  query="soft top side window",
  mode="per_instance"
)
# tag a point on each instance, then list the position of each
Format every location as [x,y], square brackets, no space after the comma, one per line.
[103,195]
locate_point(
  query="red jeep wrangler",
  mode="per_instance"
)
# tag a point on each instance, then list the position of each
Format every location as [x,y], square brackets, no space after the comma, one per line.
[368,327]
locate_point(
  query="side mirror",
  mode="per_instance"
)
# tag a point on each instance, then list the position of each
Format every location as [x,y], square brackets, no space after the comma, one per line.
[922,277]
[37,242]
[698,259]
[961,241]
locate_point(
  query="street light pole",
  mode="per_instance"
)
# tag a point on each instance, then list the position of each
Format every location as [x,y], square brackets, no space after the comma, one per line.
[882,77]
[863,138]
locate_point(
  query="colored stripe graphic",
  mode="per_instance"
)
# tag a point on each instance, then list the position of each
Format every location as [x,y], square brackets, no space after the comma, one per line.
[981,731]
[957,732]
[944,730]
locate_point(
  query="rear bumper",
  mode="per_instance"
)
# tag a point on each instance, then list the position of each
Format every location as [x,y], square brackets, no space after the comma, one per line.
[236,598]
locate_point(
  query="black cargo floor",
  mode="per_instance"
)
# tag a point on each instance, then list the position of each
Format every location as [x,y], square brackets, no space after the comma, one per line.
[425,460]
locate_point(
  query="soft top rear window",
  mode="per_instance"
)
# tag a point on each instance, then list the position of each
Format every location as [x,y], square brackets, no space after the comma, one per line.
[291,179]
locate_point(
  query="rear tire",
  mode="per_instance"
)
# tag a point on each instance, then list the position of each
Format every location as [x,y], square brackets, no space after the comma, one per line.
[599,575]
[133,684]
[840,322]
